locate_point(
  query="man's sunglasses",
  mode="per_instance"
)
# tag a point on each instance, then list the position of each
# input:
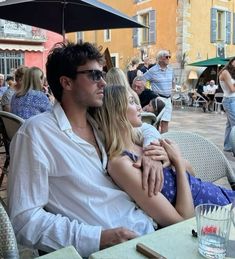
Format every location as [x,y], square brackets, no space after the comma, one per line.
[168,57]
[94,74]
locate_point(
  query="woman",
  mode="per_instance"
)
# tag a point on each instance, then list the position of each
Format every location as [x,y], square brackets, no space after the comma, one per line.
[30,100]
[6,98]
[117,117]
[116,76]
[227,82]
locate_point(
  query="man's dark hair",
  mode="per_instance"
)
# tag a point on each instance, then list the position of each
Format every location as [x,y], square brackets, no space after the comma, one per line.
[64,59]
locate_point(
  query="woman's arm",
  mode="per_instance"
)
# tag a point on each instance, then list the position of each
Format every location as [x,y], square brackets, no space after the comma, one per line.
[184,201]
[226,77]
[158,207]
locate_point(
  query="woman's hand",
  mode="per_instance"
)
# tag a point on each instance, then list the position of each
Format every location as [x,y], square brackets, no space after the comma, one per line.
[172,151]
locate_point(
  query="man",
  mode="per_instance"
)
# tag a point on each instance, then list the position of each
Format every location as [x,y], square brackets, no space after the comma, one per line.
[3,88]
[145,95]
[59,192]
[6,98]
[209,92]
[161,77]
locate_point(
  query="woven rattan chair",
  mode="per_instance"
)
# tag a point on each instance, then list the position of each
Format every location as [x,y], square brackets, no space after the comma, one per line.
[208,161]
[9,124]
[8,245]
[232,139]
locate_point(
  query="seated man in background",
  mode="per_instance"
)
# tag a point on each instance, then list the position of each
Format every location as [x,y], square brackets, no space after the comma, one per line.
[209,91]
[145,95]
[59,192]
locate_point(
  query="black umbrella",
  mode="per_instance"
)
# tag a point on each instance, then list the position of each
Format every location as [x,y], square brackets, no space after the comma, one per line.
[65,15]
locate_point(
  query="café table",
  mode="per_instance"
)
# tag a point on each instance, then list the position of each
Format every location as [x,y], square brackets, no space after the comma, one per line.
[175,241]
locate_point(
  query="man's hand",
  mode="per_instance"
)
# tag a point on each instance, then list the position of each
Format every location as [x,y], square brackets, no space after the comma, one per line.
[115,236]
[157,152]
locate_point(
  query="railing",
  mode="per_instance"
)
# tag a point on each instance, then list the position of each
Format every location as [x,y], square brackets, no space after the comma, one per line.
[17,31]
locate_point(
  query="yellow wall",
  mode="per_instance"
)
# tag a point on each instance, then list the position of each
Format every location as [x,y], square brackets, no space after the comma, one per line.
[121,39]
[199,29]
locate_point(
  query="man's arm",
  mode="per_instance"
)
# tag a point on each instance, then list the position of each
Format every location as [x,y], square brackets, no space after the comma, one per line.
[152,170]
[28,194]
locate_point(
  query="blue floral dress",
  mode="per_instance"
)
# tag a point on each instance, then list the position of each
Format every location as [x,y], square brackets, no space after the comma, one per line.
[202,192]
[30,104]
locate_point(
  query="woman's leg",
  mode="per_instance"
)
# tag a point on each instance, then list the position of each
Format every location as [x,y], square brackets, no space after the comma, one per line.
[229,107]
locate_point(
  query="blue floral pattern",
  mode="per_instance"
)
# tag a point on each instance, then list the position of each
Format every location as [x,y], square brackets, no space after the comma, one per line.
[202,192]
[30,104]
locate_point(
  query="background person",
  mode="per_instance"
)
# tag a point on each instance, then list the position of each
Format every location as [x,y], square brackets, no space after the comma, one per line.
[30,100]
[145,95]
[161,77]
[6,98]
[133,71]
[227,83]
[3,87]
[209,92]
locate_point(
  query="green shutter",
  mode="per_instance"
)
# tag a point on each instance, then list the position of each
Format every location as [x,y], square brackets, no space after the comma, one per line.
[213,25]
[234,28]
[228,28]
[152,27]
[135,34]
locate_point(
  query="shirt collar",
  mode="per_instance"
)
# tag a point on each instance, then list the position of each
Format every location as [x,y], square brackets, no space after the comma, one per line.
[162,69]
[61,117]
[63,121]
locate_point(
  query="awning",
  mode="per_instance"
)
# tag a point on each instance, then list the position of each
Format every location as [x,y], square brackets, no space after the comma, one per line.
[210,62]
[21,47]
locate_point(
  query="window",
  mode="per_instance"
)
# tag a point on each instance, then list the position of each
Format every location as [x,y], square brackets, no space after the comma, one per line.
[9,61]
[80,36]
[115,59]
[220,26]
[144,19]
[107,35]
[143,36]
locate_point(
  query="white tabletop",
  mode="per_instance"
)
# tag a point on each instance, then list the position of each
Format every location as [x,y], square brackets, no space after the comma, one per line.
[175,241]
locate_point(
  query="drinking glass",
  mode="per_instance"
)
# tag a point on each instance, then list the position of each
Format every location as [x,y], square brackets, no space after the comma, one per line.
[213,226]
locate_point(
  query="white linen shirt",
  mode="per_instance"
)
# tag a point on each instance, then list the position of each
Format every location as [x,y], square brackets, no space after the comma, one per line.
[59,193]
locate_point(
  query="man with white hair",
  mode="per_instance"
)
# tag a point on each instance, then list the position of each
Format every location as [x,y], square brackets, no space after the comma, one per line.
[161,77]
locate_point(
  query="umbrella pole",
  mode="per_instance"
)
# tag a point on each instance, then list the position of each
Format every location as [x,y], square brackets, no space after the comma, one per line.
[62,25]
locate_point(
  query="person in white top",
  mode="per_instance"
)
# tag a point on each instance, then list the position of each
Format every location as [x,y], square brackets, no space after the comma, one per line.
[209,91]
[227,82]
[59,192]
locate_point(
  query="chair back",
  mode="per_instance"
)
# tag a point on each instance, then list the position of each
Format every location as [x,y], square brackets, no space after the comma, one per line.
[232,139]
[148,117]
[8,244]
[208,161]
[11,123]
[219,95]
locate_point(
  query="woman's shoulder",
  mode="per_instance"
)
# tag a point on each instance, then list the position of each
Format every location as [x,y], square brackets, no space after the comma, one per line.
[224,75]
[122,160]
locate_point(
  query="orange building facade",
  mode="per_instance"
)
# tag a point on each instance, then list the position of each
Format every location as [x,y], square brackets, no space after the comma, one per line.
[124,44]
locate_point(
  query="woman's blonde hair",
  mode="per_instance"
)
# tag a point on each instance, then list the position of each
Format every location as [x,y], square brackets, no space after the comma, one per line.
[112,119]
[32,80]
[116,76]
